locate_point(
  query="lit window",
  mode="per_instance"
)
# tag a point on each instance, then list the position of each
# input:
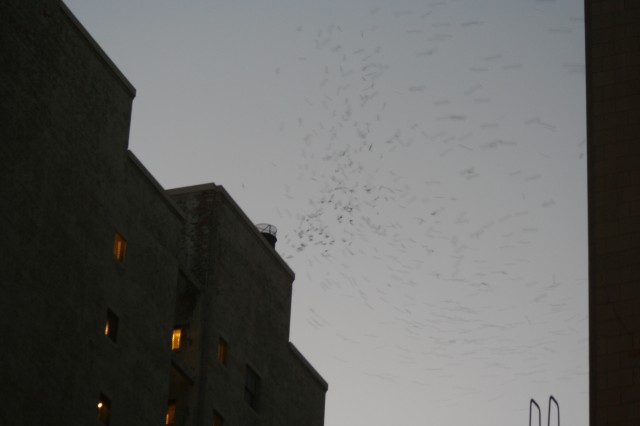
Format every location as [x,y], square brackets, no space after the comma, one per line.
[119,247]
[170,418]
[175,338]
[221,352]
[104,409]
[217,419]
[111,325]
[251,388]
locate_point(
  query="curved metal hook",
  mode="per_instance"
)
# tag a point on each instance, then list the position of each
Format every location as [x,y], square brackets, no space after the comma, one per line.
[531,404]
[555,401]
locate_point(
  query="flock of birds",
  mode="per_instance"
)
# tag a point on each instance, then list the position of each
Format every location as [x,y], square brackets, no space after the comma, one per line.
[416,217]
[431,160]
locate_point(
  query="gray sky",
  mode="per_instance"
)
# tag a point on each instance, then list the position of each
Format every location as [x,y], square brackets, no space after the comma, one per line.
[425,165]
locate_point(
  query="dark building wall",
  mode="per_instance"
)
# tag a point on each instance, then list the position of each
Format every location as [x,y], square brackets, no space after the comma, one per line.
[304,390]
[246,300]
[613,120]
[68,184]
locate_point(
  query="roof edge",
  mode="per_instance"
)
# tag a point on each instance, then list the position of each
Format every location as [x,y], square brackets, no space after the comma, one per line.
[101,53]
[220,189]
[310,368]
[172,205]
[193,188]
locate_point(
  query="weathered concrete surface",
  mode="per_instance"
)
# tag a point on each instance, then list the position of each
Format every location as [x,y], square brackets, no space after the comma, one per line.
[67,185]
[246,300]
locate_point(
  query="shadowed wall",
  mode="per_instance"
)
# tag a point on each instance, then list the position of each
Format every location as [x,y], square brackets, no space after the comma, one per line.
[613,127]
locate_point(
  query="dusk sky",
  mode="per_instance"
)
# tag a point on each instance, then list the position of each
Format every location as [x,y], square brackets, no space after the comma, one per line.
[425,164]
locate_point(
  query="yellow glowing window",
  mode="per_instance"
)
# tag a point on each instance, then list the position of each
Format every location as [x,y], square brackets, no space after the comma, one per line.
[119,247]
[217,419]
[111,325]
[104,409]
[170,418]
[221,352]
[175,338]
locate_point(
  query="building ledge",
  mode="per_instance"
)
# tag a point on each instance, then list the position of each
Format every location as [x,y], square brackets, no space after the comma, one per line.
[182,368]
[176,210]
[310,368]
[96,47]
[225,195]
[190,278]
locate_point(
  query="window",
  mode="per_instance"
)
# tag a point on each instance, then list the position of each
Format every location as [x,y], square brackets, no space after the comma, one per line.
[251,388]
[119,247]
[111,325]
[217,419]
[176,337]
[221,351]
[170,418]
[104,409]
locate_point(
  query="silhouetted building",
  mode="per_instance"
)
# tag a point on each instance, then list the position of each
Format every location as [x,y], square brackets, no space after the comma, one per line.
[613,139]
[122,303]
[238,327]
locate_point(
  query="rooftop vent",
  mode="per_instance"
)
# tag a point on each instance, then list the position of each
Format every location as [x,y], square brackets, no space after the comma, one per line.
[268,232]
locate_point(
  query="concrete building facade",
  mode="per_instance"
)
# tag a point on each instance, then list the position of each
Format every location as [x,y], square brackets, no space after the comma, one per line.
[102,267]
[613,139]
[238,327]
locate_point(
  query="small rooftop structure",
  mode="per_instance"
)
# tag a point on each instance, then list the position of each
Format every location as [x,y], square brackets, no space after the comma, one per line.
[269,232]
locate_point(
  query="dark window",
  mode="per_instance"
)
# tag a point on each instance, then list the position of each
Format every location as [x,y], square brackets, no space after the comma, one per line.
[217,419]
[252,388]
[222,351]
[111,325]
[104,409]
